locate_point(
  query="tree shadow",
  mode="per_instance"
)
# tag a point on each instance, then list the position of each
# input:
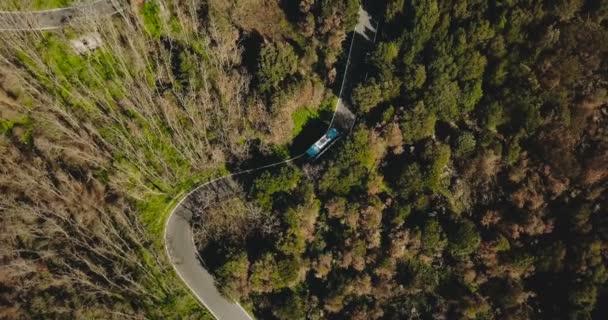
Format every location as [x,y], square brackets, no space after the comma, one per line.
[258,157]
[311,132]
[252,45]
[291,9]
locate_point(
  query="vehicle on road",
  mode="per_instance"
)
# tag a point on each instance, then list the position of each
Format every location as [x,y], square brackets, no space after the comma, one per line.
[315,150]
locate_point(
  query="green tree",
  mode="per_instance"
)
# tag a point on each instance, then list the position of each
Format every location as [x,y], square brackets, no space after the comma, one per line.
[494,116]
[472,93]
[583,298]
[264,275]
[268,185]
[480,32]
[232,275]
[439,157]
[443,100]
[289,268]
[415,77]
[384,54]
[292,241]
[400,214]
[418,123]
[433,237]
[473,64]
[411,181]
[349,170]
[276,62]
[425,17]
[394,8]
[347,10]
[464,145]
[464,240]
[368,95]
[567,9]
[294,307]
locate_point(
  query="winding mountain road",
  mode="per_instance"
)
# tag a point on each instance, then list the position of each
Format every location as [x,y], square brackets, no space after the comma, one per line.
[179,241]
[178,236]
[55,18]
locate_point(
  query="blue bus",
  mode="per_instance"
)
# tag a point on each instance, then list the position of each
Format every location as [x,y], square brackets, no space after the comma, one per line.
[314,150]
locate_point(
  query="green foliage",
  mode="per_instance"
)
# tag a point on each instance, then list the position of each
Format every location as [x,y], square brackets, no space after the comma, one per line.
[25,134]
[151,15]
[288,269]
[264,276]
[277,61]
[502,244]
[425,17]
[418,123]
[423,276]
[580,219]
[480,32]
[366,96]
[233,274]
[388,114]
[349,10]
[443,100]
[6,126]
[583,298]
[267,185]
[28,5]
[513,150]
[46,4]
[464,240]
[305,114]
[551,257]
[473,65]
[384,54]
[472,93]
[401,213]
[465,144]
[294,307]
[439,157]
[411,181]
[292,241]
[394,8]
[494,116]
[415,77]
[433,237]
[567,9]
[350,167]
[63,60]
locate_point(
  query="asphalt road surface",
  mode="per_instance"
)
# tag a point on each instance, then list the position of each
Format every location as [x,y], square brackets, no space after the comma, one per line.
[179,242]
[183,254]
[55,18]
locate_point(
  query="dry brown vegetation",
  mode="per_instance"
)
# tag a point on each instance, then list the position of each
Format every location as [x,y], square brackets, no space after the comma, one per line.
[86,138]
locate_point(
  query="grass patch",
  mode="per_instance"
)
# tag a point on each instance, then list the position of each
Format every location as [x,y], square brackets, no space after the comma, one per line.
[154,213]
[175,297]
[305,114]
[38,4]
[156,209]
[151,15]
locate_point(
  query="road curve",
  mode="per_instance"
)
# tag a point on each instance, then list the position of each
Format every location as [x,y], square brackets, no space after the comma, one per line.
[179,241]
[55,18]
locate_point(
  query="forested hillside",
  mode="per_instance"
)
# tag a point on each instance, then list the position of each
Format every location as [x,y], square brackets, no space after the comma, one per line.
[474,185]
[25,5]
[98,143]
